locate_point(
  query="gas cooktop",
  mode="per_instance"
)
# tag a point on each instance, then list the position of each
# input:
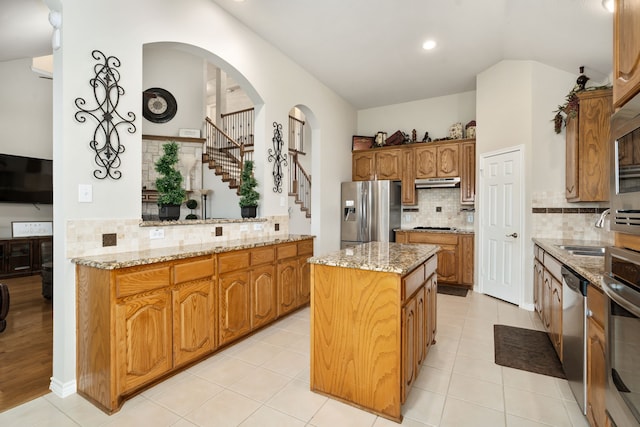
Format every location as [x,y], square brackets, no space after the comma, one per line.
[435,228]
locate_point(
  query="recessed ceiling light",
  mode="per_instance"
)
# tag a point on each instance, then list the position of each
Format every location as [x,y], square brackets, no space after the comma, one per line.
[608,4]
[429,44]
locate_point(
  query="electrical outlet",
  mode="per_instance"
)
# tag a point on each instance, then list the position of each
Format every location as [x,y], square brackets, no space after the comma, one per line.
[85,193]
[257,226]
[109,239]
[218,231]
[244,228]
[407,217]
[156,233]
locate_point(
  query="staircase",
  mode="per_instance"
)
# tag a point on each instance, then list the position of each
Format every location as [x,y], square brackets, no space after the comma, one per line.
[227,149]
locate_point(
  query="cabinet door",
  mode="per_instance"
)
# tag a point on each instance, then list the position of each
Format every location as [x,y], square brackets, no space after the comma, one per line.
[429,295]
[448,160]
[433,311]
[468,174]
[234,319]
[571,160]
[596,374]
[546,300]
[304,288]
[537,286]
[425,162]
[626,51]
[409,329]
[387,164]
[263,296]
[466,259]
[143,339]
[556,315]
[448,264]
[408,178]
[422,314]
[287,286]
[19,256]
[363,166]
[193,321]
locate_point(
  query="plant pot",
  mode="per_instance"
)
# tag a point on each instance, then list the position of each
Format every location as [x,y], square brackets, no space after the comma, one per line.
[168,212]
[249,211]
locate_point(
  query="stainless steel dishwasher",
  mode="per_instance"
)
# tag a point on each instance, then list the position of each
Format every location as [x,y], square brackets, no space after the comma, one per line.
[574,333]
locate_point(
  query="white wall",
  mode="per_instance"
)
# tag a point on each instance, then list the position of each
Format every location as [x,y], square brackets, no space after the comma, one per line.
[273,82]
[433,115]
[25,130]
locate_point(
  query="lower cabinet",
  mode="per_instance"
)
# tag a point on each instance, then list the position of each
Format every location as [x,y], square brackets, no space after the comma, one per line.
[138,324]
[294,275]
[547,295]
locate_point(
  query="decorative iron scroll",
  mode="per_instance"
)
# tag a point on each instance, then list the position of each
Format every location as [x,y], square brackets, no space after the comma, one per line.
[106,92]
[276,156]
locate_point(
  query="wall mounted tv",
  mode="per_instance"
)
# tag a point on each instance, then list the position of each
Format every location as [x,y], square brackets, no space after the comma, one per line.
[25,180]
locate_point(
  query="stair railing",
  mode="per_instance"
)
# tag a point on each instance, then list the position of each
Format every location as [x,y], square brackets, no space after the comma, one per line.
[300,185]
[296,134]
[225,154]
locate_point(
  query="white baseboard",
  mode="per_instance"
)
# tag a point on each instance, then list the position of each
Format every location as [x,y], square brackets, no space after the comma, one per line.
[61,389]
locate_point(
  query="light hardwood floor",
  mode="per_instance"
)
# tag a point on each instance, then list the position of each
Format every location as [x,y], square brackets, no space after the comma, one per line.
[26,345]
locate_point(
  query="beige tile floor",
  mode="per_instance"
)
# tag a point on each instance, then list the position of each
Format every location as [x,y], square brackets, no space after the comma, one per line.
[264,381]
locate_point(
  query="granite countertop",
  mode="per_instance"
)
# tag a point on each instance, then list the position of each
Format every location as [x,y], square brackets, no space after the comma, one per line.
[151,256]
[453,231]
[590,267]
[389,257]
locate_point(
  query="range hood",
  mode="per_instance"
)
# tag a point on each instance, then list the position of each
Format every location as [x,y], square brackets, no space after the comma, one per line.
[438,182]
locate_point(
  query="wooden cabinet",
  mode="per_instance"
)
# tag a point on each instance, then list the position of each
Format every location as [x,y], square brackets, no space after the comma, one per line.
[408,178]
[23,256]
[455,258]
[440,161]
[547,295]
[193,299]
[468,173]
[596,358]
[626,51]
[374,371]
[293,273]
[587,149]
[555,330]
[138,324]
[380,164]
[538,284]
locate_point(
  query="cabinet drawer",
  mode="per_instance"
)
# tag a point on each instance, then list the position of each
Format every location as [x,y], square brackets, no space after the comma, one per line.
[433,238]
[596,303]
[231,261]
[430,266]
[193,270]
[140,280]
[412,281]
[538,252]
[553,265]
[262,255]
[287,250]
[305,247]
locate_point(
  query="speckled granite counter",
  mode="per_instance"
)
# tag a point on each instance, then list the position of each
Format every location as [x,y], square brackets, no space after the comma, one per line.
[454,231]
[150,256]
[379,256]
[590,267]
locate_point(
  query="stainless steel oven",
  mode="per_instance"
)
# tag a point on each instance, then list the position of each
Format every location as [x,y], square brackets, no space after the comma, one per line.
[621,284]
[625,169]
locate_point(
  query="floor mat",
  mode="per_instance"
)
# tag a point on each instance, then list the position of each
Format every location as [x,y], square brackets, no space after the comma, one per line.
[526,349]
[457,291]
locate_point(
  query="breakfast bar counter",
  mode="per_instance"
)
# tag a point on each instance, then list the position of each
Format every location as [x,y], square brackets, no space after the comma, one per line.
[373,319]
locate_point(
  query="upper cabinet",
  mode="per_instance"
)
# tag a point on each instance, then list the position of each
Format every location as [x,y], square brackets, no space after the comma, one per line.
[468,173]
[587,159]
[439,161]
[626,51]
[376,164]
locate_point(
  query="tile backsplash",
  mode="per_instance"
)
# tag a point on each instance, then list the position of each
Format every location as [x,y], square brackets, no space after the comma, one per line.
[438,207]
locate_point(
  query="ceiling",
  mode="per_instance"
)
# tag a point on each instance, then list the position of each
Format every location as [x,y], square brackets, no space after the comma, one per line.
[369,51]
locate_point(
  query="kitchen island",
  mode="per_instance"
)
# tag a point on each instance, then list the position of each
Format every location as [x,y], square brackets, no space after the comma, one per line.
[373,319]
[143,316]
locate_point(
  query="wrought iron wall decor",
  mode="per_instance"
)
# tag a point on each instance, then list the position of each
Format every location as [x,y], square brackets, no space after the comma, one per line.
[106,139]
[276,156]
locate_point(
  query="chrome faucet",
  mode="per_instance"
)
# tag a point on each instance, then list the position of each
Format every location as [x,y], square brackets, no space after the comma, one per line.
[600,222]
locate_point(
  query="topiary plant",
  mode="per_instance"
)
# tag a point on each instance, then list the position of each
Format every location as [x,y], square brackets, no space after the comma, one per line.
[169,183]
[248,195]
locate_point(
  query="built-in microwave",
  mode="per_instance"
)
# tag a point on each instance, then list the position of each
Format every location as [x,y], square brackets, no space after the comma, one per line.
[625,168]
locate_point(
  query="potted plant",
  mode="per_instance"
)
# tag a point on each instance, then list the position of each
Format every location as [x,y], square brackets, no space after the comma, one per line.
[169,183]
[192,204]
[248,195]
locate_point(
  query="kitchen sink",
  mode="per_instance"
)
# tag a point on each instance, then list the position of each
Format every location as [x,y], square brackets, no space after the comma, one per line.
[583,250]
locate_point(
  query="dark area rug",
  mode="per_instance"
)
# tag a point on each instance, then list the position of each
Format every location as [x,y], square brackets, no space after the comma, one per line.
[457,291]
[526,349]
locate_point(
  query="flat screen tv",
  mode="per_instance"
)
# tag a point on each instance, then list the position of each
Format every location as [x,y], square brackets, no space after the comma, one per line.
[25,180]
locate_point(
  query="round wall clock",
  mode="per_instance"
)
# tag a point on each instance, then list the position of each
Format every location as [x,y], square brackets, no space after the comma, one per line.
[158,105]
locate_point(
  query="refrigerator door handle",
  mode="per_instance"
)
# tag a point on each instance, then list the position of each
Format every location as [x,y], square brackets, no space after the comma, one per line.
[364,219]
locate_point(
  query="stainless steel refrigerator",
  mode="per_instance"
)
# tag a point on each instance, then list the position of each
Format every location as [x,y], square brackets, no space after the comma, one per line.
[370,212]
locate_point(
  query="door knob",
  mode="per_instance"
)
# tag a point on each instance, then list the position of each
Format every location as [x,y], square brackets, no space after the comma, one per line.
[514,235]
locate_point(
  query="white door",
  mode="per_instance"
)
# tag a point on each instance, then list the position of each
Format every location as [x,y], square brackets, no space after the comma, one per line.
[501,225]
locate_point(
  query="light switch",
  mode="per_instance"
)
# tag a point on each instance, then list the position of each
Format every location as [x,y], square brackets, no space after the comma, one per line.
[85,193]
